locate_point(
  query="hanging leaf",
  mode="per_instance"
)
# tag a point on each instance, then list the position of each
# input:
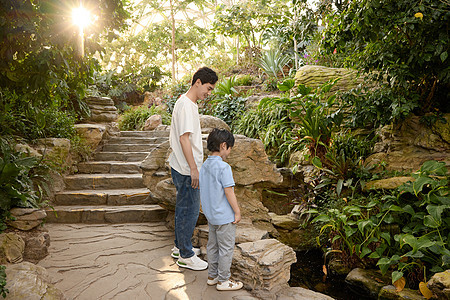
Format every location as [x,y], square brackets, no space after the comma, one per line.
[400,284]
[425,290]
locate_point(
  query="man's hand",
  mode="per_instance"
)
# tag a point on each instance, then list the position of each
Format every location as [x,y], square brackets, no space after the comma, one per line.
[195,178]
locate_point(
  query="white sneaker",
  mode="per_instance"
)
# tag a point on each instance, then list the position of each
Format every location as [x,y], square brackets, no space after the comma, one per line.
[212,281]
[176,252]
[193,263]
[229,285]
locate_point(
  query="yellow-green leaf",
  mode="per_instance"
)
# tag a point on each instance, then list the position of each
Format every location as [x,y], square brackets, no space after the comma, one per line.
[425,290]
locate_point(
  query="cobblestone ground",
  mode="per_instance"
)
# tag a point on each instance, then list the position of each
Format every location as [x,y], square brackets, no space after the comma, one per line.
[123,261]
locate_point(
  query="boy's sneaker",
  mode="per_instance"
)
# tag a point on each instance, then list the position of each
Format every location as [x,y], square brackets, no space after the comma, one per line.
[193,263]
[212,281]
[176,252]
[229,285]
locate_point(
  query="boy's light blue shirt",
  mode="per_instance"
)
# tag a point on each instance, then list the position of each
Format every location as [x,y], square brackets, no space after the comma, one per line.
[215,175]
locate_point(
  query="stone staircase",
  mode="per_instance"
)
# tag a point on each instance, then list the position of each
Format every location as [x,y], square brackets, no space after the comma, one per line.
[110,188]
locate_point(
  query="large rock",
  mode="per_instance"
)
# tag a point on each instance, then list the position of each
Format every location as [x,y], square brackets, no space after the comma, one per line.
[152,122]
[12,247]
[37,242]
[439,284]
[367,283]
[263,266]
[92,133]
[30,282]
[388,183]
[102,110]
[389,292]
[27,218]
[314,76]
[407,145]
[298,293]
[208,123]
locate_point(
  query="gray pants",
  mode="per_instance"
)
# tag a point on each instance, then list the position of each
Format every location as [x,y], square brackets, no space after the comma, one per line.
[220,249]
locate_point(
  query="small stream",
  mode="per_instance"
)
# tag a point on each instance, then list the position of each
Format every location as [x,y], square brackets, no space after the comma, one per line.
[307,273]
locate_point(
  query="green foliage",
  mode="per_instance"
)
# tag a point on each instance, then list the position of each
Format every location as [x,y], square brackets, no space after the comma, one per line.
[405,231]
[22,180]
[3,290]
[270,123]
[225,87]
[272,62]
[228,108]
[244,80]
[134,119]
[404,43]
[19,117]
[249,19]
[373,107]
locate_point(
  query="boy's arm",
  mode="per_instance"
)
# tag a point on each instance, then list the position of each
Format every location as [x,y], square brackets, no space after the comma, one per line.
[188,154]
[231,197]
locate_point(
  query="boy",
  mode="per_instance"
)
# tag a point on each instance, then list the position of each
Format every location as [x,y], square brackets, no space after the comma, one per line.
[185,161]
[220,207]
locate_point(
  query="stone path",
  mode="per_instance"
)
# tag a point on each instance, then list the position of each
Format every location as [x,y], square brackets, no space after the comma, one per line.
[123,261]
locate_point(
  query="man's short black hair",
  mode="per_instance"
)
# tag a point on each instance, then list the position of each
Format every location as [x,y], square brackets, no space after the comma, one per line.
[206,75]
[217,137]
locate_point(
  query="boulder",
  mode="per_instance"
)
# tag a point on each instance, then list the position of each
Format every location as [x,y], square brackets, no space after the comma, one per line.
[37,242]
[388,183]
[27,218]
[27,149]
[31,282]
[93,134]
[367,283]
[263,266]
[439,284]
[407,145]
[389,292]
[12,247]
[102,110]
[152,122]
[314,76]
[208,123]
[298,293]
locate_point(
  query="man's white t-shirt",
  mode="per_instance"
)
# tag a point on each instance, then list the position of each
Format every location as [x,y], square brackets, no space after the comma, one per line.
[185,118]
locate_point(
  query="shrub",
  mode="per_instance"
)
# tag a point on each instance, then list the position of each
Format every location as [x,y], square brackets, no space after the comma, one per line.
[134,118]
[244,80]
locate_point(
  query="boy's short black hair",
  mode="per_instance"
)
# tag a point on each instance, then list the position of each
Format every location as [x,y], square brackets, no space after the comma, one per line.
[217,137]
[206,75]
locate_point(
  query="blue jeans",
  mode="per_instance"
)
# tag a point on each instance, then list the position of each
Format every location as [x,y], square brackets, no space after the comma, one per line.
[186,213]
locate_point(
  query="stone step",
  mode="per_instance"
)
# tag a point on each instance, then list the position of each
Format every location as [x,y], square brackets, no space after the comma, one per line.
[120,156]
[136,140]
[153,133]
[103,181]
[109,167]
[129,147]
[106,214]
[104,197]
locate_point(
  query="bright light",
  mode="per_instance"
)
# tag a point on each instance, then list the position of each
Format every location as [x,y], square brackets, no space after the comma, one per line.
[81,17]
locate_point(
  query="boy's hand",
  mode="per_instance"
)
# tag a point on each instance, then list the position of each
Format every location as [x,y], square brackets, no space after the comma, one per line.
[237,218]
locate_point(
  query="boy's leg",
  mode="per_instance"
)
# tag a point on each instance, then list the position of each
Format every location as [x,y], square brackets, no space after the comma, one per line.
[226,239]
[212,251]
[186,213]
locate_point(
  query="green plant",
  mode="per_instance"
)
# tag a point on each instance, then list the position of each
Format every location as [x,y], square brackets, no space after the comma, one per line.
[403,43]
[272,62]
[244,80]
[225,87]
[134,119]
[3,290]
[228,108]
[21,181]
[405,231]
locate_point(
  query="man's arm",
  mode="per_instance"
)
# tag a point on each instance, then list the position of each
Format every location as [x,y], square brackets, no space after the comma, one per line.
[231,197]
[188,154]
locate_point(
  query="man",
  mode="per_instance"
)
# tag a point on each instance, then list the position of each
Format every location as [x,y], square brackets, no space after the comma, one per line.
[185,162]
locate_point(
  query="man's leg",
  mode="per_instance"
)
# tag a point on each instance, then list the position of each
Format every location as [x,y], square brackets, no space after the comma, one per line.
[186,213]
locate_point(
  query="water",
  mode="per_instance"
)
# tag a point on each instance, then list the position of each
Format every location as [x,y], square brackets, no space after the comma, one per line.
[307,273]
